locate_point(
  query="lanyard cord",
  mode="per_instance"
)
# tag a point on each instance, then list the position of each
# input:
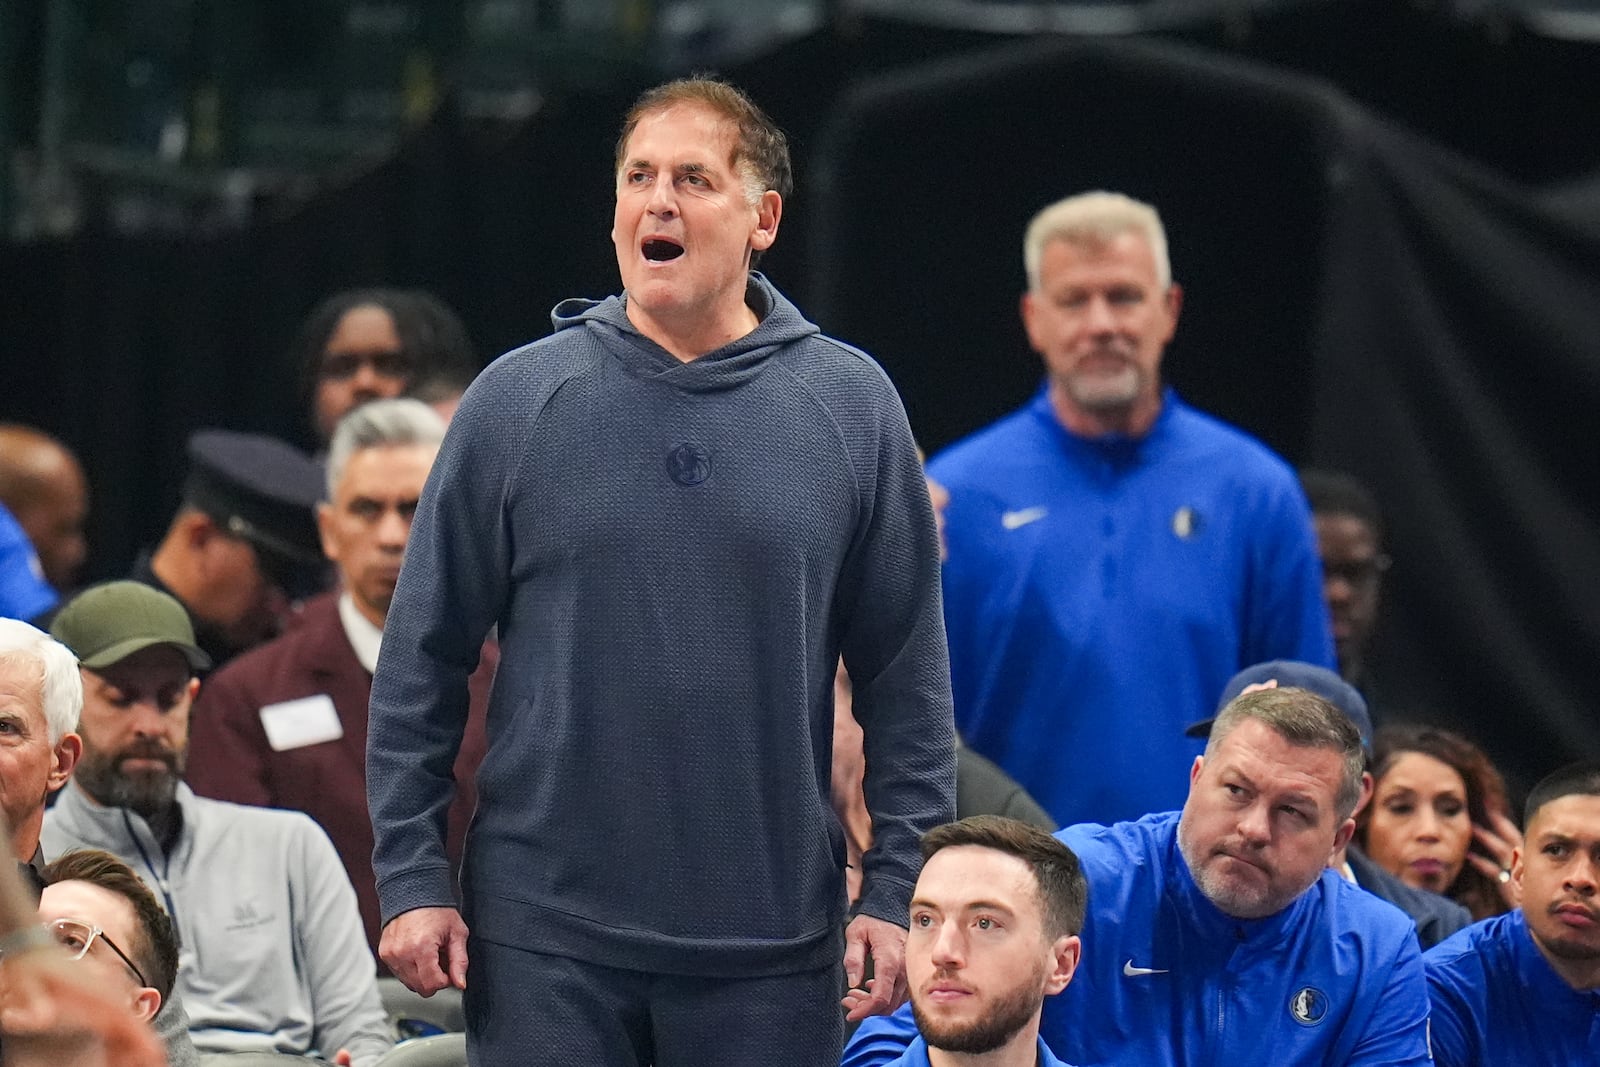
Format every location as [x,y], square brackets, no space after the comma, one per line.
[161,876]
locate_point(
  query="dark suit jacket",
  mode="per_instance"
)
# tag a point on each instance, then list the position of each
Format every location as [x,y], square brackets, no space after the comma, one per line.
[230,759]
[982,788]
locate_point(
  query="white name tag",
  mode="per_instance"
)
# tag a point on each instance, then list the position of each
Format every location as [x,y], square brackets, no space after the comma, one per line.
[298,723]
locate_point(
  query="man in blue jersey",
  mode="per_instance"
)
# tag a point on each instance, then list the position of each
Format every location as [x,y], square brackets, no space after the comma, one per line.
[1107,527]
[1217,934]
[1524,987]
[994,932]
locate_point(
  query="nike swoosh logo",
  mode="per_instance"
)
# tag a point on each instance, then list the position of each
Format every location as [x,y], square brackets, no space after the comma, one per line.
[1130,971]
[1011,520]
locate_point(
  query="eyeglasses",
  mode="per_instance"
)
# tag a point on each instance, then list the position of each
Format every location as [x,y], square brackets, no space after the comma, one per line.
[339,366]
[1357,573]
[77,937]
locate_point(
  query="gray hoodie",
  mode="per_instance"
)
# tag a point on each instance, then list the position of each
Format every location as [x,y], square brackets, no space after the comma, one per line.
[676,553]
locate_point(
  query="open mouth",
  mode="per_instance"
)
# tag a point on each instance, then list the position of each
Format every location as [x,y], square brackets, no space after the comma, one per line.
[661,250]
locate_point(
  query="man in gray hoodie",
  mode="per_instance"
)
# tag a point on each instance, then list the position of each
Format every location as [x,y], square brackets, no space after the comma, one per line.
[679,509]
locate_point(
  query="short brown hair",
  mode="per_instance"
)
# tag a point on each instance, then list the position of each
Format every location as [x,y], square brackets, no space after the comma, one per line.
[1305,720]
[1063,890]
[761,149]
[157,947]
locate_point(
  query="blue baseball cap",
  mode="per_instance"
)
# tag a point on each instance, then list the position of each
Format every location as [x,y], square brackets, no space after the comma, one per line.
[1289,672]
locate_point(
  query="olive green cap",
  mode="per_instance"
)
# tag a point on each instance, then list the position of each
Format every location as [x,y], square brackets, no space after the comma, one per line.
[107,623]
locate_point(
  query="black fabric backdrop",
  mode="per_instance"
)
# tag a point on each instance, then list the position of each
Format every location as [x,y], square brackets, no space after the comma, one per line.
[1359,295]
[1458,372]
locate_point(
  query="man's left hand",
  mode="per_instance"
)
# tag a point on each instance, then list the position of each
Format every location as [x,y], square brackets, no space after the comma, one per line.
[886,943]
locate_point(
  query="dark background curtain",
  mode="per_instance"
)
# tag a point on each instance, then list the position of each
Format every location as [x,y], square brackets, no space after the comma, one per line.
[1385,222]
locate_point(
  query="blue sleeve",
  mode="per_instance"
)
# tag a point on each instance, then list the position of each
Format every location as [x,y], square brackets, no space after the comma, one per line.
[1451,1031]
[880,1039]
[893,644]
[455,577]
[1396,1034]
[24,594]
[1286,615]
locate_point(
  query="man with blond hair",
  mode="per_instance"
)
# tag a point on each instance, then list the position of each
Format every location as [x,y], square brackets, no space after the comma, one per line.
[1114,554]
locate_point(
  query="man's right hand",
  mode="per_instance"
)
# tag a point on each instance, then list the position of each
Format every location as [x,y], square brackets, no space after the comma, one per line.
[426,949]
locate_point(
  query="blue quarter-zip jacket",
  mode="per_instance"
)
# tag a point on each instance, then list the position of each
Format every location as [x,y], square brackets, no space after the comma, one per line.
[1100,592]
[1167,980]
[1497,1000]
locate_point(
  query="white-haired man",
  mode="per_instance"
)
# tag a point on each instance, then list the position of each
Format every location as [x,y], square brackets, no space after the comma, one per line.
[1106,526]
[285,725]
[41,698]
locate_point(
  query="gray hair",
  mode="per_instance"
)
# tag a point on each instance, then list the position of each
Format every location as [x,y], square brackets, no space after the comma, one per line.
[1091,218]
[381,424]
[53,668]
[1305,720]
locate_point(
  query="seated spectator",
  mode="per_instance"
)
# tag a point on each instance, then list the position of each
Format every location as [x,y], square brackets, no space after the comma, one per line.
[1217,934]
[1436,917]
[57,1011]
[442,390]
[1439,819]
[42,484]
[273,957]
[285,725]
[994,931]
[1523,988]
[373,344]
[41,701]
[98,909]
[243,544]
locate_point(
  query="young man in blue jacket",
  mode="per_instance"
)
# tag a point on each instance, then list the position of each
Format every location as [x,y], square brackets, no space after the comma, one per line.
[1217,934]
[994,932]
[1524,987]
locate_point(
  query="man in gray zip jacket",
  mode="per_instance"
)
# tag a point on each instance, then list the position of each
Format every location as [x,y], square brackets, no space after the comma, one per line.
[273,954]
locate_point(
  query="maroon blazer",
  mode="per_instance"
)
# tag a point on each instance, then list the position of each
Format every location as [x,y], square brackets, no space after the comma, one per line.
[230,759]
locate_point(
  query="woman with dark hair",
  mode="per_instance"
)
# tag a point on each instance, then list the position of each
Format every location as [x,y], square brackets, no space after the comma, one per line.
[373,344]
[1439,819]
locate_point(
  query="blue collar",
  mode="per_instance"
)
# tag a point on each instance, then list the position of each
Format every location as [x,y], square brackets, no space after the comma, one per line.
[1544,986]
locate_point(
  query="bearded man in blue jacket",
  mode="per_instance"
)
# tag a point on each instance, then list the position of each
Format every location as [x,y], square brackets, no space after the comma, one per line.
[1217,934]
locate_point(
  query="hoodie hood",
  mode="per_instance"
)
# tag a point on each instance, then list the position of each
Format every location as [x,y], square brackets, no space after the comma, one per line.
[725,368]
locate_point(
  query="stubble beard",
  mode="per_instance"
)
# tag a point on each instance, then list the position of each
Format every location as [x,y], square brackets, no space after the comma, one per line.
[1106,394]
[1002,1022]
[1230,897]
[1569,947]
